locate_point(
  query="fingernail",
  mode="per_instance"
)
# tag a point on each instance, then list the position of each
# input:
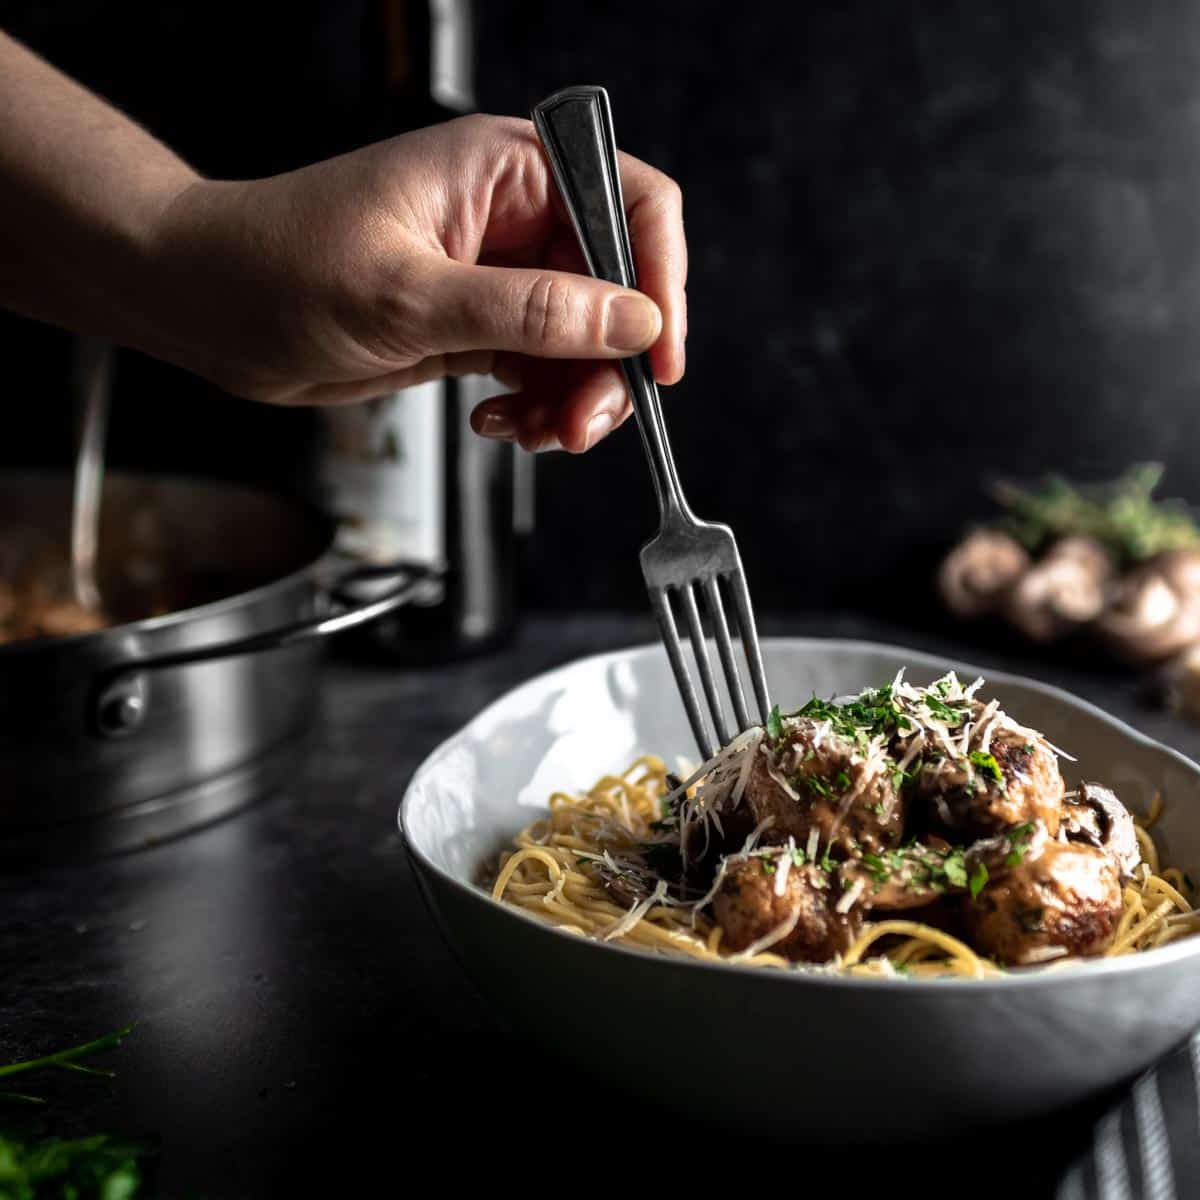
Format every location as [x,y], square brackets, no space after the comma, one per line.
[497,423]
[600,425]
[631,323]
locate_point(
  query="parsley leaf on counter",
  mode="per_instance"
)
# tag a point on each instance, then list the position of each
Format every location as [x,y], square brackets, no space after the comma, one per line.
[90,1168]
[39,1167]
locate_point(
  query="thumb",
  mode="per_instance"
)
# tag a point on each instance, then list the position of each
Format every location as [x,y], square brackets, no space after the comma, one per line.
[546,314]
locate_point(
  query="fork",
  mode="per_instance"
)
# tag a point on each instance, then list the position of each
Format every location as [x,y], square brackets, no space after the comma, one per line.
[689,560]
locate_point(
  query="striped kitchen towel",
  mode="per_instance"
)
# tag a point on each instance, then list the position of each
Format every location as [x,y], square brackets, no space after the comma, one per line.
[1148,1146]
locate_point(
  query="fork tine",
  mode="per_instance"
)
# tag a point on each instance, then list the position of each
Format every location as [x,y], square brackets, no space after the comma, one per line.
[700,650]
[661,604]
[745,620]
[733,677]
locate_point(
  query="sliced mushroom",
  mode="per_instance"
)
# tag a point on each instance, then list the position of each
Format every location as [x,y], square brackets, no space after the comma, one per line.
[1066,589]
[977,574]
[1154,612]
[1079,823]
[1097,817]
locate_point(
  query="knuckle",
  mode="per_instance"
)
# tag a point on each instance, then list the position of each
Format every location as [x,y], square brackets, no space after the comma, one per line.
[547,311]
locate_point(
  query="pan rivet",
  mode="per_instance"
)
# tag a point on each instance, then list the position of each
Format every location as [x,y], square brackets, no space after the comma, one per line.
[121,707]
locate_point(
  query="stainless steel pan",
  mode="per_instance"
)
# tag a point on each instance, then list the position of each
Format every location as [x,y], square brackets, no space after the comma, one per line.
[112,738]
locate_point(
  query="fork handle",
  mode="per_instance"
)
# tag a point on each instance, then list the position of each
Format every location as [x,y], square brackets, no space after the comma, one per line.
[576,131]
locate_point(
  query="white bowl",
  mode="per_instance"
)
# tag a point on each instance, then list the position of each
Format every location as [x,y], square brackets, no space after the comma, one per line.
[822,1056]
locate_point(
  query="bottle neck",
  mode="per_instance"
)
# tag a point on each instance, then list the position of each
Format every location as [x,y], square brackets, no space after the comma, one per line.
[452,54]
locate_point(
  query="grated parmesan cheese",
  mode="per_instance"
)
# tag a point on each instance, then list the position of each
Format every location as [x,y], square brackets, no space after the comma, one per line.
[850,896]
[783,783]
[814,844]
[757,832]
[768,940]
[784,868]
[636,913]
[1040,954]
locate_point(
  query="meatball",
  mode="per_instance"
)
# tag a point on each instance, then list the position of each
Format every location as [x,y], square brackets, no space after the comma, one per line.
[748,907]
[814,778]
[1016,782]
[1064,899]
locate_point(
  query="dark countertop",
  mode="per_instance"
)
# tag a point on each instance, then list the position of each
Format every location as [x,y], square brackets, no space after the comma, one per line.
[300,1026]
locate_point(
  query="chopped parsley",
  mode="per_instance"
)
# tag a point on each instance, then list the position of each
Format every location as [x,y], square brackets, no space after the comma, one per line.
[979,878]
[955,868]
[842,781]
[1019,839]
[816,784]
[670,815]
[987,764]
[943,711]
[872,713]
[880,871]
[797,857]
[919,867]
[774,724]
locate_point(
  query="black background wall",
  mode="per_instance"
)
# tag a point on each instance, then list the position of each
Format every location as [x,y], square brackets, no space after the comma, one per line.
[931,243]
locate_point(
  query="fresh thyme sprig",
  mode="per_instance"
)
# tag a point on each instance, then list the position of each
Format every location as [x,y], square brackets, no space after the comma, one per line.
[1122,514]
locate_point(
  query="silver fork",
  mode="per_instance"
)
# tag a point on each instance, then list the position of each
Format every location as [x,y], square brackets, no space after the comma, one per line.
[688,556]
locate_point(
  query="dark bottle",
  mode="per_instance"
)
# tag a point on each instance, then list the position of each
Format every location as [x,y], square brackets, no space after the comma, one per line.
[403,474]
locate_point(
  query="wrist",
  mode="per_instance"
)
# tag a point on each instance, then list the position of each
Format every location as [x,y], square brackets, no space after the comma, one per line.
[196,295]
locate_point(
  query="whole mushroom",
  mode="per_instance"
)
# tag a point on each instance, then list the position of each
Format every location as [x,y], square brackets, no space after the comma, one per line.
[1066,589]
[977,574]
[1154,611]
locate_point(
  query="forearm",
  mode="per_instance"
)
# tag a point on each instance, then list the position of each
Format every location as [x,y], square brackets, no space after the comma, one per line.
[82,190]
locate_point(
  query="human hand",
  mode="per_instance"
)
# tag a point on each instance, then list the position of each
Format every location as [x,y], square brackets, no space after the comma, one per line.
[440,252]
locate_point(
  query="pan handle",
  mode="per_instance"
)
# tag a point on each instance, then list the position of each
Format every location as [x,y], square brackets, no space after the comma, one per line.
[121,698]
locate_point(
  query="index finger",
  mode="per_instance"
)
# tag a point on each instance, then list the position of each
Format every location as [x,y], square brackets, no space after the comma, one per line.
[654,210]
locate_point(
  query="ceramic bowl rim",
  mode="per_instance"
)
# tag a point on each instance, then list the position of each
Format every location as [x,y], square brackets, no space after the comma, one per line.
[1094,969]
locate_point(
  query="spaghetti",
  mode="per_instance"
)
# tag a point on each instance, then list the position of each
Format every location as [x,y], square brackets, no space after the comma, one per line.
[595,866]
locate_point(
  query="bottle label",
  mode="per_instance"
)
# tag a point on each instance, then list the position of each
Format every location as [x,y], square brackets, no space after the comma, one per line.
[383,475]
